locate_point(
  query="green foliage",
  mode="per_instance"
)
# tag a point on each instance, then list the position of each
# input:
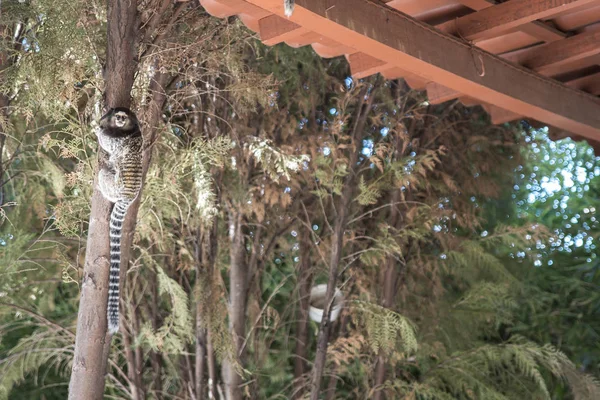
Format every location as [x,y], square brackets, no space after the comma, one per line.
[487,371]
[212,153]
[385,328]
[176,331]
[275,162]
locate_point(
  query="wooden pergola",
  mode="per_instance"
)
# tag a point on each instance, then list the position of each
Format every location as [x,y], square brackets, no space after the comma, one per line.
[534,59]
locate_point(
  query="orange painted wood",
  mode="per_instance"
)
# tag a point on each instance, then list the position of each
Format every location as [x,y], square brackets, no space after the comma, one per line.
[535,28]
[413,80]
[582,16]
[232,7]
[590,84]
[546,57]
[508,42]
[500,115]
[274,29]
[469,101]
[398,40]
[304,40]
[542,31]
[362,65]
[492,21]
[438,94]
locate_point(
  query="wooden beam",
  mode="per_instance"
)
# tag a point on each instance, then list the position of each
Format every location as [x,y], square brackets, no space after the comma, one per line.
[500,115]
[503,17]
[438,94]
[395,38]
[537,29]
[469,101]
[548,56]
[414,81]
[590,84]
[542,31]
[362,65]
[274,29]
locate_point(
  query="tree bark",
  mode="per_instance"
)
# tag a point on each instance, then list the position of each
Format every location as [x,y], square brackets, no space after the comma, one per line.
[212,366]
[337,241]
[238,289]
[388,283]
[121,52]
[304,283]
[389,276]
[206,254]
[92,341]
[336,256]
[155,355]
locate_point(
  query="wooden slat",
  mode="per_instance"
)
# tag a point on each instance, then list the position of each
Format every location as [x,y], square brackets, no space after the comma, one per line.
[274,29]
[551,55]
[503,17]
[469,101]
[542,31]
[500,115]
[538,29]
[362,65]
[225,8]
[399,40]
[413,80]
[590,84]
[438,94]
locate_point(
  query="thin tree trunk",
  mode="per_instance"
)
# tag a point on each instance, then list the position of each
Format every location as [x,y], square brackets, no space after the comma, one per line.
[206,254]
[389,276]
[336,255]
[337,241]
[212,367]
[238,290]
[388,283]
[304,283]
[200,357]
[330,392]
[134,377]
[155,355]
[92,342]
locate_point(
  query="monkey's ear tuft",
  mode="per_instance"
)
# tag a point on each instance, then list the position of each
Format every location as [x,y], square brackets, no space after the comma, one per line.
[108,114]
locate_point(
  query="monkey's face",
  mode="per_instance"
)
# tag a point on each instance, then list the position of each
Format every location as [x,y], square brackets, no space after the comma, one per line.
[118,122]
[122,120]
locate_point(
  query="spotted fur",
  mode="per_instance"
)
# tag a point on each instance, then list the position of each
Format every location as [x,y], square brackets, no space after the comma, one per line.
[120,181]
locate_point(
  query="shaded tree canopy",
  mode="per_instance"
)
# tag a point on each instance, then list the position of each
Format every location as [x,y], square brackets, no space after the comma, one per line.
[465,252]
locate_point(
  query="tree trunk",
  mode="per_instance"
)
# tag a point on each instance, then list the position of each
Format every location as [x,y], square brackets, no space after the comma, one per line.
[336,255]
[155,355]
[92,342]
[388,283]
[212,367]
[206,254]
[389,276]
[200,359]
[304,283]
[238,289]
[337,241]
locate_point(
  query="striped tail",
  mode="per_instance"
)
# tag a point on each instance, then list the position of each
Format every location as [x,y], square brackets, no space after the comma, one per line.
[288,6]
[117,216]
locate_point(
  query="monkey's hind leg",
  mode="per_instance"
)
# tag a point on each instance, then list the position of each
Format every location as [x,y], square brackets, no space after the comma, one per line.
[108,184]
